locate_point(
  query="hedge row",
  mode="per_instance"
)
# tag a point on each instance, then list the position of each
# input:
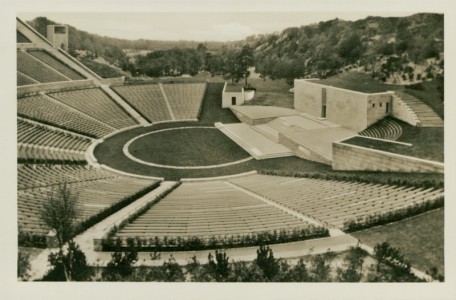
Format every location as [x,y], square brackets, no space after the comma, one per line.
[193,243]
[39,241]
[397,179]
[51,161]
[392,216]
[26,239]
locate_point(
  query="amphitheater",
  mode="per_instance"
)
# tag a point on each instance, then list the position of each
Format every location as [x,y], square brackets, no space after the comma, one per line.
[103,137]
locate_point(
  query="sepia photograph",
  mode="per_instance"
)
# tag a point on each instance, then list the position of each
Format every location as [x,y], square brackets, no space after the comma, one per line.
[286,145]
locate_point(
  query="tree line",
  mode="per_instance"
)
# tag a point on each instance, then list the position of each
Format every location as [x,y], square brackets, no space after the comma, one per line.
[384,46]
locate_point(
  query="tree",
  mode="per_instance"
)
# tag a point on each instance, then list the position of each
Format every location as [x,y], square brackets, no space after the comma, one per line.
[23,265]
[68,265]
[319,269]
[60,212]
[172,271]
[246,272]
[354,263]
[266,261]
[245,60]
[121,264]
[220,267]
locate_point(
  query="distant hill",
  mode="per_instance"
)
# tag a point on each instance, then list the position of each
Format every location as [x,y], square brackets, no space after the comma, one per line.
[399,50]
[110,48]
[396,49]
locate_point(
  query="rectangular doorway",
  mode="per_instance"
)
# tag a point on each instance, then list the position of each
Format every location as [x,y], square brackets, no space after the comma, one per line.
[323,103]
[233,100]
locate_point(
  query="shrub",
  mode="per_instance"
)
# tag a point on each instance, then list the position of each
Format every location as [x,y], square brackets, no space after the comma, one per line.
[392,216]
[68,266]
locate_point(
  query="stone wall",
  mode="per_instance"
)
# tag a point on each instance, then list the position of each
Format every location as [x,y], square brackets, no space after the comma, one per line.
[351,157]
[347,108]
[377,105]
[403,112]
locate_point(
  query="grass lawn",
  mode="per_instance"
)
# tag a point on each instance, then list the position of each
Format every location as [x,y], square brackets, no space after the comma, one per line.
[270,93]
[361,82]
[420,239]
[427,143]
[211,110]
[285,100]
[187,147]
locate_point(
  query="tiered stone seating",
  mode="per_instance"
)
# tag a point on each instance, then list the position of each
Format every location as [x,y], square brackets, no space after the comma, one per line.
[45,153]
[98,105]
[94,196]
[23,79]
[38,141]
[334,202]
[33,176]
[386,128]
[44,109]
[185,99]
[427,117]
[56,64]
[147,99]
[209,209]
[36,69]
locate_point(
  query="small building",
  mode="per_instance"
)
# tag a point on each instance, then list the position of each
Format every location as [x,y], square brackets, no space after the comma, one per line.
[235,95]
[350,109]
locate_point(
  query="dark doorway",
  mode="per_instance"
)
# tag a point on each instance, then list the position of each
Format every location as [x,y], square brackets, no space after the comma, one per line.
[233,100]
[387,107]
[323,103]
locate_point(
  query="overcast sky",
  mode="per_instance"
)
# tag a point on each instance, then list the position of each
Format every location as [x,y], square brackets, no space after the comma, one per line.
[192,25]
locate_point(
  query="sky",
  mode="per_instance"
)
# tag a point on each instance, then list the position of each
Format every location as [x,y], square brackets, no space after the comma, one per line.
[197,26]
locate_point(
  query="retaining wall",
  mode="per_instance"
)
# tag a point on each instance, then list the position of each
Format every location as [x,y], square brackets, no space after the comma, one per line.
[351,157]
[26,90]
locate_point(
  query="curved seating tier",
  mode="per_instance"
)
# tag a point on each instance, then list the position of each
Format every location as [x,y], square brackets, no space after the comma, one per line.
[33,176]
[387,129]
[95,103]
[334,202]
[30,133]
[56,64]
[36,69]
[209,209]
[185,99]
[147,99]
[94,196]
[35,153]
[43,108]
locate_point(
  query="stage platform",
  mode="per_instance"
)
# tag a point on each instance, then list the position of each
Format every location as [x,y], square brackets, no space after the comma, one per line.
[256,144]
[256,114]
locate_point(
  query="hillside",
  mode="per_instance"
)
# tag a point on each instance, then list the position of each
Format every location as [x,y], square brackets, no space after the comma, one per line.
[396,50]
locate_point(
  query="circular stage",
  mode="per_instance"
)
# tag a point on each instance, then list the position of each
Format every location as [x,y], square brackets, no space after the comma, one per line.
[185,148]
[173,151]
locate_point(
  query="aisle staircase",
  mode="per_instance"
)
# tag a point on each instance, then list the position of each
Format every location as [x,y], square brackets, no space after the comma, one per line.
[426,116]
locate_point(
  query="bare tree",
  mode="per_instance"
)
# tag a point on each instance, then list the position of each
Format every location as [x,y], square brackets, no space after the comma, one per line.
[59,213]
